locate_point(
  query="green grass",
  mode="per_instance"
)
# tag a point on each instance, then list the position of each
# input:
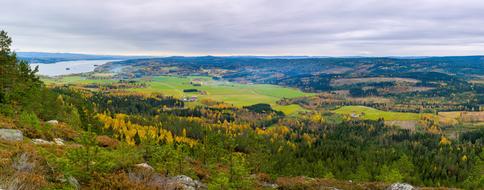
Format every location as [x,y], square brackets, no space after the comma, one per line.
[232,93]
[72,79]
[289,109]
[374,114]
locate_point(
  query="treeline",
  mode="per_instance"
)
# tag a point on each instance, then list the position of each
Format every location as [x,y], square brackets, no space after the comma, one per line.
[21,91]
[133,104]
[312,145]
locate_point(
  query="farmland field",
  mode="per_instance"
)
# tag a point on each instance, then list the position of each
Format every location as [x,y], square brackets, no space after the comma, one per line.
[466,117]
[478,81]
[374,114]
[72,79]
[350,81]
[232,93]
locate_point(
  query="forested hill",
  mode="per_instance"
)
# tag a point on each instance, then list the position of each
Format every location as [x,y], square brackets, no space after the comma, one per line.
[263,69]
[309,74]
[463,65]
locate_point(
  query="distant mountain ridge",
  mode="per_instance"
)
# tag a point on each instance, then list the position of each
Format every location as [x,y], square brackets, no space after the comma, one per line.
[43,57]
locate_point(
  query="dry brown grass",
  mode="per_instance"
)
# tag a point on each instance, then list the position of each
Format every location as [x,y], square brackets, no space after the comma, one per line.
[6,123]
[300,183]
[305,183]
[27,181]
[105,141]
[264,177]
[64,131]
[201,172]
[452,118]
[409,124]
[22,167]
[48,132]
[118,180]
[137,178]
[294,183]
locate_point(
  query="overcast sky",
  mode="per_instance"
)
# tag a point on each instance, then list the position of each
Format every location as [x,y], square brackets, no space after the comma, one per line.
[247,27]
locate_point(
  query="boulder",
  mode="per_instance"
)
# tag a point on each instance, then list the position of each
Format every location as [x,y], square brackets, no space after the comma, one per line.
[268,185]
[59,141]
[41,141]
[53,122]
[11,135]
[145,166]
[144,173]
[186,183]
[401,186]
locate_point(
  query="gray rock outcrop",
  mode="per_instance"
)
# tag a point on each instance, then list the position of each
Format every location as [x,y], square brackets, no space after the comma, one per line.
[41,141]
[186,183]
[11,135]
[401,186]
[144,173]
[53,122]
[57,141]
[145,166]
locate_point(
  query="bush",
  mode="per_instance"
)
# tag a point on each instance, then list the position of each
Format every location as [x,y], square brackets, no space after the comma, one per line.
[390,175]
[262,108]
[65,132]
[163,158]
[6,110]
[190,90]
[29,120]
[85,159]
[219,181]
[31,126]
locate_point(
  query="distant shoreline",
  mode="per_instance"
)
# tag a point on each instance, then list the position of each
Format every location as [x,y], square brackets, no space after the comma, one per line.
[68,67]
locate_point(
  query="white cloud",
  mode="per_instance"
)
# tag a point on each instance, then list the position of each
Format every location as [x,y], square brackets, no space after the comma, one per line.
[258,27]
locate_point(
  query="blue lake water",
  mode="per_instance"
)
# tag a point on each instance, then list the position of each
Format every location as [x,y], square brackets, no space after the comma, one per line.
[68,67]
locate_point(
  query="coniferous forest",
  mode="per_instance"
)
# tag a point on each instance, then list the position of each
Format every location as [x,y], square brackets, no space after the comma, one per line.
[106,134]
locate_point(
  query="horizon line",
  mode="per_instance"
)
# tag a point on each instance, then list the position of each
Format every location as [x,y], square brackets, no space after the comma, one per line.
[252,55]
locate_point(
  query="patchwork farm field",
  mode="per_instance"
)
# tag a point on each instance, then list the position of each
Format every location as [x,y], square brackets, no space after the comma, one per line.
[232,93]
[374,114]
[73,79]
[350,81]
[470,120]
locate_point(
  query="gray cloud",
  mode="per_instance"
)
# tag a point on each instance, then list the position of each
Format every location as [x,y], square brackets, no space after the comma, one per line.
[257,27]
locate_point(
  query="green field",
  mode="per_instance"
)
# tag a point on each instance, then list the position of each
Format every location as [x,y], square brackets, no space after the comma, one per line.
[72,79]
[232,93]
[374,114]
